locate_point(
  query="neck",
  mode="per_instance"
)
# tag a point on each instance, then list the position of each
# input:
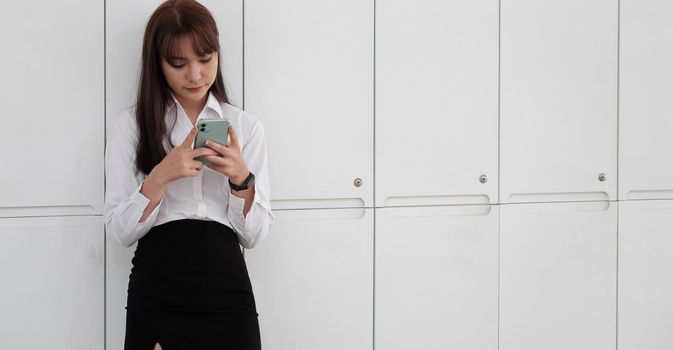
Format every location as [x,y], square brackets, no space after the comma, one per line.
[193,108]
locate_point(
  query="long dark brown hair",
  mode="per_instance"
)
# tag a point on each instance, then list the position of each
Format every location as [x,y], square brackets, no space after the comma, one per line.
[170,21]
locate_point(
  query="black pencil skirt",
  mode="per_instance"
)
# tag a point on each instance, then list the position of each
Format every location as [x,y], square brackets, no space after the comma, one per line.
[189,289]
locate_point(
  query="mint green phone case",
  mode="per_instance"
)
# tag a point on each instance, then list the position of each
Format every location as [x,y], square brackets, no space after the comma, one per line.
[211,129]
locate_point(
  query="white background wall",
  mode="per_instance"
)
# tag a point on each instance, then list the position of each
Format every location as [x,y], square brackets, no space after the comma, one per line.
[445,175]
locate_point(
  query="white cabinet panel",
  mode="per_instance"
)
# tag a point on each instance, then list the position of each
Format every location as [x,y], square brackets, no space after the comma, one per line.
[117,271]
[52,283]
[645,279]
[558,100]
[436,278]
[309,78]
[52,108]
[313,279]
[645,115]
[126,21]
[558,276]
[436,102]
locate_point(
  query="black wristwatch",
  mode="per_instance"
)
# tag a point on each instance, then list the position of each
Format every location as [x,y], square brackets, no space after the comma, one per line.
[245,185]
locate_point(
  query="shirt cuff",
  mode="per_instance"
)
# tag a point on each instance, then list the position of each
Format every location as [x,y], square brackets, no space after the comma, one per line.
[141,202]
[236,205]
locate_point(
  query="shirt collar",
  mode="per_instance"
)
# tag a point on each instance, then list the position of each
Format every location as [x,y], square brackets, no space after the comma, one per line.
[211,103]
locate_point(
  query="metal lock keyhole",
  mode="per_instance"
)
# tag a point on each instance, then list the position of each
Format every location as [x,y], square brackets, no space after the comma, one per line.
[601,177]
[483,179]
[357,182]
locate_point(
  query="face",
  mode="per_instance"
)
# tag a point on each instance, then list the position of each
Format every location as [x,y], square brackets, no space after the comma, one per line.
[190,75]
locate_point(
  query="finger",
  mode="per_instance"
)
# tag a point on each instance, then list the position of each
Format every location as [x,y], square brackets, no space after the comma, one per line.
[196,165]
[216,146]
[191,172]
[189,140]
[203,151]
[220,150]
[215,159]
[233,138]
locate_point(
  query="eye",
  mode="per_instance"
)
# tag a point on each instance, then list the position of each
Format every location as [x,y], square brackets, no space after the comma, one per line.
[207,60]
[175,63]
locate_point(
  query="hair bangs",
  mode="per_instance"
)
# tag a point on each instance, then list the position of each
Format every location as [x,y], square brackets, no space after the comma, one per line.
[203,42]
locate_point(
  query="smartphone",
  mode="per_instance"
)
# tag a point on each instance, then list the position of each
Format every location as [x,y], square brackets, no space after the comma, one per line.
[216,130]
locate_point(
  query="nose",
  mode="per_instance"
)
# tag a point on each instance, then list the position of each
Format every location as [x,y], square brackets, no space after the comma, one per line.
[194,73]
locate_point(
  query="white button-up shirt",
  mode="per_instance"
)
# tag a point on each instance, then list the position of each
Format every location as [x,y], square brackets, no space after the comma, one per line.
[204,197]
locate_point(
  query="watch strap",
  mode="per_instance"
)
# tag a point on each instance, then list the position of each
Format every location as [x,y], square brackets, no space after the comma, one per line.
[246,183]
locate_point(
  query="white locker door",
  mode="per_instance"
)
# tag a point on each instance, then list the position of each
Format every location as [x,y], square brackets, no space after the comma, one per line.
[558,276]
[558,100]
[117,272]
[436,102]
[312,279]
[52,108]
[309,78]
[645,122]
[52,283]
[126,21]
[436,278]
[645,316]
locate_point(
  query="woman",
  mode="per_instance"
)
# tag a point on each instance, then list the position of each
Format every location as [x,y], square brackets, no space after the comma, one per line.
[189,286]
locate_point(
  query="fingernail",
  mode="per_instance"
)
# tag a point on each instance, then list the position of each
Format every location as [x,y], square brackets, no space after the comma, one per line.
[205,142]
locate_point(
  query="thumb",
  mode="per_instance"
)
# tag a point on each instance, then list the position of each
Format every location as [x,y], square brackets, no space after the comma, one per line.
[189,140]
[233,138]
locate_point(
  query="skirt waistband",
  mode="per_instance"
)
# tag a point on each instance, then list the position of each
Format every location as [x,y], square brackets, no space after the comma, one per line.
[191,224]
[187,244]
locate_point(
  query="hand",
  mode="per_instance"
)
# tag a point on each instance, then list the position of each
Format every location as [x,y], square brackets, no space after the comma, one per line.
[180,162]
[229,161]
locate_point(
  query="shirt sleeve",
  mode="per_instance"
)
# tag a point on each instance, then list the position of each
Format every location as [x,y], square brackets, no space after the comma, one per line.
[255,226]
[124,204]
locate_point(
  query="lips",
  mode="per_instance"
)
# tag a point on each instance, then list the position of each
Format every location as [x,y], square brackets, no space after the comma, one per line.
[196,88]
